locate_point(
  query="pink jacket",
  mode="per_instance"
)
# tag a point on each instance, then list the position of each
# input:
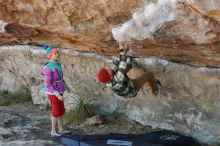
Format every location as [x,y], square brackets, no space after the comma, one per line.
[53,78]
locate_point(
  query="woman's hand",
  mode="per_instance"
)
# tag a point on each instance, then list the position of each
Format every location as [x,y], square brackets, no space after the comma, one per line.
[60,97]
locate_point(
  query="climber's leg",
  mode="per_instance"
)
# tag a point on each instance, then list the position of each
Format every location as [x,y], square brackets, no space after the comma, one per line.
[147,77]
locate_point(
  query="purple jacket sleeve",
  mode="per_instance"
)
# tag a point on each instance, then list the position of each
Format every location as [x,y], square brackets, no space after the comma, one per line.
[48,79]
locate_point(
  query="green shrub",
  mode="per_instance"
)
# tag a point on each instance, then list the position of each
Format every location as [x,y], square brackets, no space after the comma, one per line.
[20,96]
[82,108]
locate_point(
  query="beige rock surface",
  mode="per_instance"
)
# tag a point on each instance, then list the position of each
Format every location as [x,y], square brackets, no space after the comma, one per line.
[188,101]
[192,37]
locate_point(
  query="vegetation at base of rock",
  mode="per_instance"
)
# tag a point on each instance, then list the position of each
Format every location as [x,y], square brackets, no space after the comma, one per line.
[110,120]
[82,107]
[82,110]
[22,95]
[45,107]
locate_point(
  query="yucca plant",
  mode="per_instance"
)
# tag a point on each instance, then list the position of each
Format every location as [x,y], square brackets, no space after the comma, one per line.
[82,109]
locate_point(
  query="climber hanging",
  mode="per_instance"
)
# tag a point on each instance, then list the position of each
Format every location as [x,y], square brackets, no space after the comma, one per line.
[116,77]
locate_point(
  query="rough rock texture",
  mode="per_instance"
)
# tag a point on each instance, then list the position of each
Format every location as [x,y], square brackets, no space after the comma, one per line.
[188,102]
[192,37]
[25,125]
[83,25]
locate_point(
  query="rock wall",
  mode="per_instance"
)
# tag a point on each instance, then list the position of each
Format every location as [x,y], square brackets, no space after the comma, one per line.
[186,34]
[186,31]
[188,102]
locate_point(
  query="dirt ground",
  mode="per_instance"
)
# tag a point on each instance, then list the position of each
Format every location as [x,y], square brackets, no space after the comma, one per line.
[26,124]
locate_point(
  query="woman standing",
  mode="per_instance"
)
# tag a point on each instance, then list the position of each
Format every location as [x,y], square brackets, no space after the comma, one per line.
[54,86]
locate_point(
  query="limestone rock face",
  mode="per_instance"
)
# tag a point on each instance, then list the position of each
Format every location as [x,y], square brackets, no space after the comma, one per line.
[191,36]
[188,102]
[81,25]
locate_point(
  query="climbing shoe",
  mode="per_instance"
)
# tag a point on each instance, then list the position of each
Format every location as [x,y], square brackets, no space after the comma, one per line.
[158,86]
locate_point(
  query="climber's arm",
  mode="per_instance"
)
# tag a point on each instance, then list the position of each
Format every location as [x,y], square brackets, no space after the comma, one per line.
[120,64]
